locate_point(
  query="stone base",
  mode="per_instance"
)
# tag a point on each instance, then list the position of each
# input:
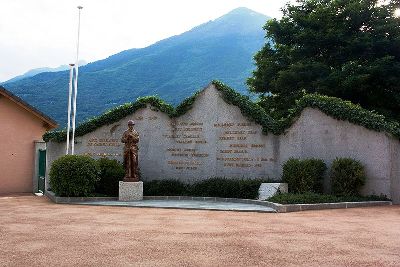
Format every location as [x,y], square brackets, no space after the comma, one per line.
[268,190]
[130,191]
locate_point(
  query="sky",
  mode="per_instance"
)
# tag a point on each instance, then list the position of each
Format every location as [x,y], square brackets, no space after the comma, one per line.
[43,33]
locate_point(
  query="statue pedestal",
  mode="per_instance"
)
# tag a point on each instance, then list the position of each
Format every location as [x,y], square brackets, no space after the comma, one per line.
[130,191]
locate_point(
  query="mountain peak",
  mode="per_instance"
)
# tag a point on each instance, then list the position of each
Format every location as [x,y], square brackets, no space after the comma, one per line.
[243,10]
[241,20]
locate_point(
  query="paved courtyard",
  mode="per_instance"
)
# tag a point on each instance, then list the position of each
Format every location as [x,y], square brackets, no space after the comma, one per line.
[37,232]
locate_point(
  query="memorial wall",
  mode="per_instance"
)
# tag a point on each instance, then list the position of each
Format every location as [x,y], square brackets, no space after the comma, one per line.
[214,139]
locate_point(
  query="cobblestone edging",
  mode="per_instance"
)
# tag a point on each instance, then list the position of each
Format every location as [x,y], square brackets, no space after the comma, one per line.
[281,208]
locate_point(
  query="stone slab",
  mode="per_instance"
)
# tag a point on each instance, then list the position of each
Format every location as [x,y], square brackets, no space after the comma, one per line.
[130,191]
[268,190]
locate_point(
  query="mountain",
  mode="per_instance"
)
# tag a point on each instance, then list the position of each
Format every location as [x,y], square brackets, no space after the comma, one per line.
[33,72]
[173,69]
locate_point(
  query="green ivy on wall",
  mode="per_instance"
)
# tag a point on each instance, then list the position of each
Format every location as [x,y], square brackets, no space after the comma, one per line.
[120,112]
[248,108]
[342,110]
[332,106]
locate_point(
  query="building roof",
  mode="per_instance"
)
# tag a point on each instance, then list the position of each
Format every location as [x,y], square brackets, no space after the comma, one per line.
[49,121]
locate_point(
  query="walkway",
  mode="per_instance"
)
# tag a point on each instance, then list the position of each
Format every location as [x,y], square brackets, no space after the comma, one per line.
[184,204]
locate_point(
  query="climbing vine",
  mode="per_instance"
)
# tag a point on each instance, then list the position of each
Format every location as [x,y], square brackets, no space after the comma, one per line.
[332,106]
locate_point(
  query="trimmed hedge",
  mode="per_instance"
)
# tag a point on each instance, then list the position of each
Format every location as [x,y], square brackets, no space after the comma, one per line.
[332,106]
[213,187]
[312,198]
[111,172]
[347,176]
[74,176]
[227,188]
[164,188]
[304,175]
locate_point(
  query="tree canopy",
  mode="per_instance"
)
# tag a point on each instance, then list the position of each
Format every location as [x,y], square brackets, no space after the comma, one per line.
[344,48]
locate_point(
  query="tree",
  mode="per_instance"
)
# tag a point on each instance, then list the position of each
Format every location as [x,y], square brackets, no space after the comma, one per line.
[344,48]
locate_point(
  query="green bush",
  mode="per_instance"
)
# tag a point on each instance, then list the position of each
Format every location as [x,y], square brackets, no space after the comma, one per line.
[74,176]
[304,175]
[312,198]
[347,176]
[214,187]
[164,188]
[227,188]
[111,172]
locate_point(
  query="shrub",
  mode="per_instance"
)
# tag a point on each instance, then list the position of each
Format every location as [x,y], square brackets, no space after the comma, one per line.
[227,188]
[304,175]
[214,187]
[347,176]
[74,176]
[164,188]
[111,172]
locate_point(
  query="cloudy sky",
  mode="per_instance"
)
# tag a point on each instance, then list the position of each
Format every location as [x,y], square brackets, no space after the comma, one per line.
[43,33]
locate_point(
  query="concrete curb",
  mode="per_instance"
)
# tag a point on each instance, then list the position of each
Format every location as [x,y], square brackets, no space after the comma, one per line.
[281,208]
[70,200]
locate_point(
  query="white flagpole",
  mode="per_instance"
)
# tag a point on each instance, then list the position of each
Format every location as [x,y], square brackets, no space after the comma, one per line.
[71,66]
[76,81]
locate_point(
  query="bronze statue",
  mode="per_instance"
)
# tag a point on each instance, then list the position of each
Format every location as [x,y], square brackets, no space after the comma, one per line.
[131,139]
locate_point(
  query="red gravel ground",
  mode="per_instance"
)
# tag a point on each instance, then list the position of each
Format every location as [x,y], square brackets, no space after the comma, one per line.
[37,232]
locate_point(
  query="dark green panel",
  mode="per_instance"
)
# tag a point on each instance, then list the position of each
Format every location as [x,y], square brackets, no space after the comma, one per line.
[42,170]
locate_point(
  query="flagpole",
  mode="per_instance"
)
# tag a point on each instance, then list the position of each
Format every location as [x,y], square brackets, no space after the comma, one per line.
[76,82]
[71,73]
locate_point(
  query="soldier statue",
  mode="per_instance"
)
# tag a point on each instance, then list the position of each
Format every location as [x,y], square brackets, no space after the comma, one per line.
[131,139]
